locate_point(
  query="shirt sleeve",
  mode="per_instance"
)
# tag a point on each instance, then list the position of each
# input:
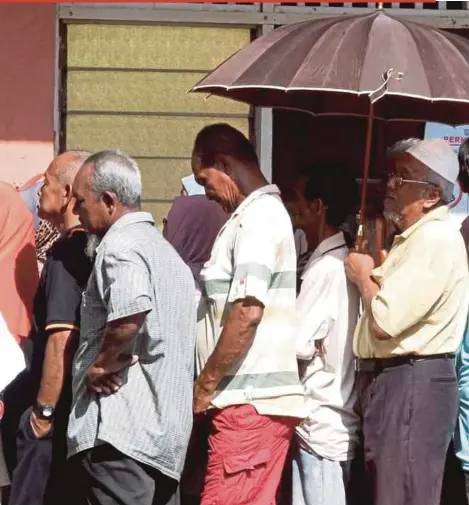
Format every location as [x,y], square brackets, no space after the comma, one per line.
[257,246]
[413,287]
[316,312]
[126,285]
[63,295]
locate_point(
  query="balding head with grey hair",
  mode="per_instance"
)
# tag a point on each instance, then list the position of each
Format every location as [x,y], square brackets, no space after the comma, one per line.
[107,187]
[55,196]
[118,173]
[68,165]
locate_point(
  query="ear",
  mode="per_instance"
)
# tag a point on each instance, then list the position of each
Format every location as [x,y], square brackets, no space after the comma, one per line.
[432,198]
[110,201]
[320,207]
[225,164]
[68,193]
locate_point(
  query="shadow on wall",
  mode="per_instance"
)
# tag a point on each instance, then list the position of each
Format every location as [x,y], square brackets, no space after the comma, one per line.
[27,55]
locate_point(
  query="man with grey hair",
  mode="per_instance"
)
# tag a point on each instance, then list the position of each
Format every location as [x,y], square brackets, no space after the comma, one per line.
[133,372]
[38,477]
[415,308]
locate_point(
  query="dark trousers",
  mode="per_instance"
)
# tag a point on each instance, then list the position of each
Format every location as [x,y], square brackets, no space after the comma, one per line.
[454,486]
[466,479]
[39,477]
[409,415]
[105,476]
[17,397]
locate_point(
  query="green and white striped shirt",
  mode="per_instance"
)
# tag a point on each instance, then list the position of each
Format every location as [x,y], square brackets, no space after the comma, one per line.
[254,256]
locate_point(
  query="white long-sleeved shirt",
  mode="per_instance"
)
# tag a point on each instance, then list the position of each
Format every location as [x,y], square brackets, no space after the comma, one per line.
[327,312]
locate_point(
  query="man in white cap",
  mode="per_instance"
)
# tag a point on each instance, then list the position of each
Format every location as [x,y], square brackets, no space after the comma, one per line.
[414,313]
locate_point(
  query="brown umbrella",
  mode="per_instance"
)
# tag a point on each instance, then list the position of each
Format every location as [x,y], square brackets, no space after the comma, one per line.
[331,66]
[373,65]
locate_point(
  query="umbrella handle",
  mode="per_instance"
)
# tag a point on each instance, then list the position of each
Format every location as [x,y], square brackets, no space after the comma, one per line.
[360,245]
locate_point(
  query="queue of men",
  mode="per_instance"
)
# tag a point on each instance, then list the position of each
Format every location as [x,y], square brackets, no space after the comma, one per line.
[313,384]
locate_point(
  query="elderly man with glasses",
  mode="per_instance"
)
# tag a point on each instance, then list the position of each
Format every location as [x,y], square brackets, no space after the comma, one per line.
[414,313]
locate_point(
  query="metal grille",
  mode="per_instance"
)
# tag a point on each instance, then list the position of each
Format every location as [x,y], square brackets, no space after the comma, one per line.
[298,7]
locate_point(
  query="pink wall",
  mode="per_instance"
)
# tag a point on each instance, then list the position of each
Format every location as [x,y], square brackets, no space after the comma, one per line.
[27,55]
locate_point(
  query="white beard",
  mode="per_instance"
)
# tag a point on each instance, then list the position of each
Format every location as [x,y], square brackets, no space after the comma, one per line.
[92,245]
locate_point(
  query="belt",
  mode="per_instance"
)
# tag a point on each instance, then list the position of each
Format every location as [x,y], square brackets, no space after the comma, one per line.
[377,365]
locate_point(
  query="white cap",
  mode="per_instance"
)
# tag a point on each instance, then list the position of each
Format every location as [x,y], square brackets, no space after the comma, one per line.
[440,158]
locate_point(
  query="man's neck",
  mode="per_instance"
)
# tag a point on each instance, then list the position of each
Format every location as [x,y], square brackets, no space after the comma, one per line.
[408,221]
[251,182]
[314,237]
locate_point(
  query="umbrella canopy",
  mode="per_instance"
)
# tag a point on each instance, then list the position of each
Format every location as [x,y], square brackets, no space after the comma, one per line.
[331,66]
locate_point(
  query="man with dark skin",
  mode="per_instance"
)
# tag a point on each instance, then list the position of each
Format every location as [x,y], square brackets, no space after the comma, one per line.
[246,314]
[249,384]
[415,308]
[37,478]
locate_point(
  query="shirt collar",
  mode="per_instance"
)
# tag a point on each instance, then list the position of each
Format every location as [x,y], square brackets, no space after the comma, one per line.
[269,189]
[126,220]
[438,214]
[334,242]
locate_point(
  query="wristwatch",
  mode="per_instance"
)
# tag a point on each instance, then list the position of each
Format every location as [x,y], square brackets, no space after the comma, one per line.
[45,412]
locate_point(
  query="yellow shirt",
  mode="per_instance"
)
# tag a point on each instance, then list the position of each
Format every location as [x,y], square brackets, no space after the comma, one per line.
[424,295]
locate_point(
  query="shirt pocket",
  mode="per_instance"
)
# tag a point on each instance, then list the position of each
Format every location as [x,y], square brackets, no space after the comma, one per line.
[93,316]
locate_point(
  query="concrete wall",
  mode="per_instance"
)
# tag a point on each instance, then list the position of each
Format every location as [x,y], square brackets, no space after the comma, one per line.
[27,54]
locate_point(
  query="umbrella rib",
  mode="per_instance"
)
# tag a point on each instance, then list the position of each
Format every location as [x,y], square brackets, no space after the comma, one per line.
[354,21]
[297,28]
[441,61]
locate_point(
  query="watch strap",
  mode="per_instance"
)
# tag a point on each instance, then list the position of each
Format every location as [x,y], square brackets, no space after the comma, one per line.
[42,411]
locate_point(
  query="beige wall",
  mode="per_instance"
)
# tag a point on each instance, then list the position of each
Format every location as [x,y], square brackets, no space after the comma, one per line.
[127,88]
[27,52]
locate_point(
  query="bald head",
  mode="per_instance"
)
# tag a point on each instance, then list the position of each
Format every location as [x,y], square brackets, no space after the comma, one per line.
[66,166]
[226,164]
[56,196]
[220,140]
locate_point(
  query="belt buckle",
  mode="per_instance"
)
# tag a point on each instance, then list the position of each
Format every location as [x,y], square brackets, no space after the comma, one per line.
[362,365]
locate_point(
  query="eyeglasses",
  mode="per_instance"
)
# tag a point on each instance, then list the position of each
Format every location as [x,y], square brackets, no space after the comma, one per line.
[398,181]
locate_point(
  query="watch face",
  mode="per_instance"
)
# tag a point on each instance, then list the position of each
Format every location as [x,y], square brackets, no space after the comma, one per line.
[47,411]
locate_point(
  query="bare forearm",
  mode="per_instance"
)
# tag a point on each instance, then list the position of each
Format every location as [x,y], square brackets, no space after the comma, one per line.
[58,359]
[118,335]
[235,340]
[368,290]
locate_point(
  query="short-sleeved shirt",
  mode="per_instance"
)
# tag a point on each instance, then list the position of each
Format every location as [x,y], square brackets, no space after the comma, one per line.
[254,256]
[58,298]
[327,311]
[150,418]
[423,298]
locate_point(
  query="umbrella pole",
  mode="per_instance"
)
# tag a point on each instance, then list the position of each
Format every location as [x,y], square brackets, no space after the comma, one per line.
[360,241]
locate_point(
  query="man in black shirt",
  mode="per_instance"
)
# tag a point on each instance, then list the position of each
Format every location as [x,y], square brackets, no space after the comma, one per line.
[38,478]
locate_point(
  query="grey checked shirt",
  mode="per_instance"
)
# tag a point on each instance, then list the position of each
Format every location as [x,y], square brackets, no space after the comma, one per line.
[150,418]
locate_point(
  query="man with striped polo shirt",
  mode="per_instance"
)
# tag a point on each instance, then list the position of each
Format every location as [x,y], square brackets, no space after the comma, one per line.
[250,379]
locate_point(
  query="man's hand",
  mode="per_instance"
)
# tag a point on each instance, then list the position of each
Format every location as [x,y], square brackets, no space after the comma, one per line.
[202,398]
[358,266]
[40,427]
[106,380]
